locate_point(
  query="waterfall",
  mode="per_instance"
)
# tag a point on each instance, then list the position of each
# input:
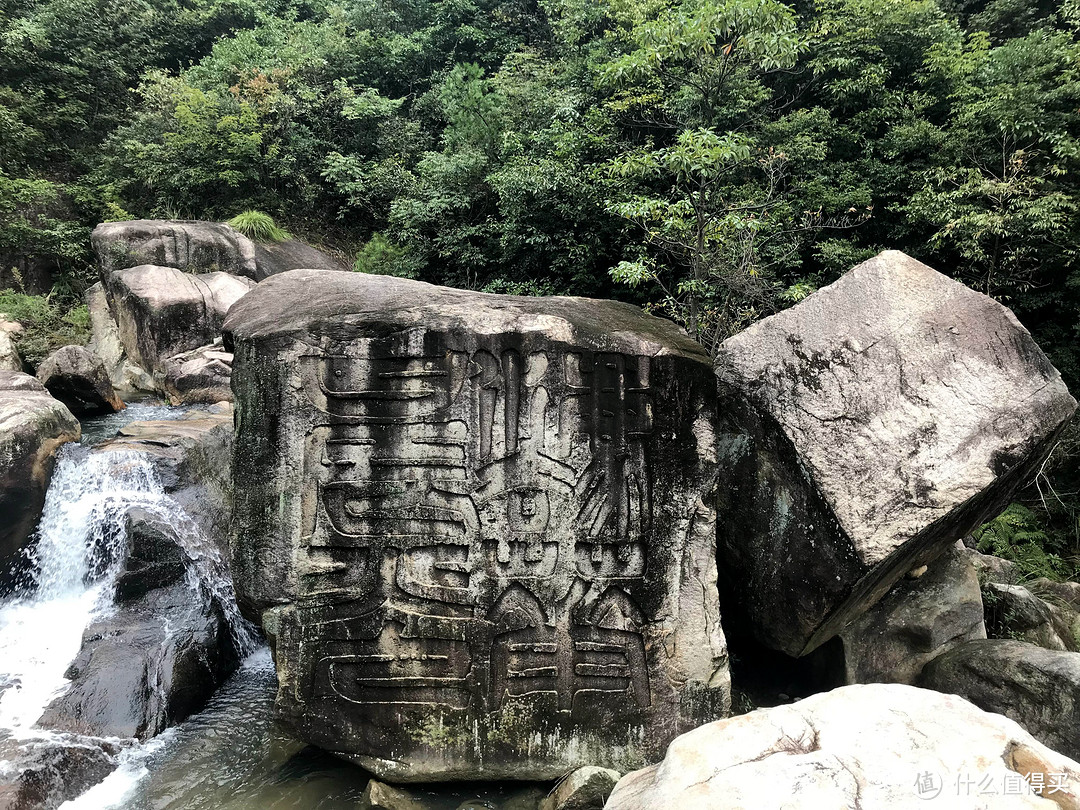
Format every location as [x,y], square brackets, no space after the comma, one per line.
[79,552]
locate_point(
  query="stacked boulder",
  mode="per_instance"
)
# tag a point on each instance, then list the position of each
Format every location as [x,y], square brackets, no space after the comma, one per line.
[166,286]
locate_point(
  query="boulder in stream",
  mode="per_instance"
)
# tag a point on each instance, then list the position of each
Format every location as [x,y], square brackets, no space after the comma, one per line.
[44,773]
[200,375]
[78,378]
[870,747]
[478,529]
[33,426]
[862,432]
[147,665]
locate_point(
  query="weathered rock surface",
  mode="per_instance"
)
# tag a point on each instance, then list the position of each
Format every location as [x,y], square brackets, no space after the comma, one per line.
[477,528]
[200,375]
[192,457]
[272,258]
[862,432]
[1014,612]
[77,377]
[378,796]
[872,747]
[154,556]
[146,666]
[9,355]
[191,245]
[162,312]
[1038,688]
[106,344]
[917,620]
[993,569]
[586,788]
[33,426]
[43,774]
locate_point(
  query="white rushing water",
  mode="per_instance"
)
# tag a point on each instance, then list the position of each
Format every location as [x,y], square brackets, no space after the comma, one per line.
[80,547]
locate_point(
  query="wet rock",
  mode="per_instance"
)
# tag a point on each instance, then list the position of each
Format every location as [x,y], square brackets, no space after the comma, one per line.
[1013,611]
[917,620]
[162,312]
[106,344]
[862,432]
[33,426]
[201,375]
[194,246]
[9,355]
[378,796]
[478,529]
[77,377]
[1038,688]
[586,788]
[272,258]
[148,665]
[872,747]
[43,774]
[192,458]
[155,557]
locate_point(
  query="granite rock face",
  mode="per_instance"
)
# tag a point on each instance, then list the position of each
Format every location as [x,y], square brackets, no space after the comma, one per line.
[862,432]
[9,355]
[200,375]
[33,426]
[78,378]
[272,258]
[162,312]
[867,747]
[918,619]
[192,245]
[478,529]
[1036,687]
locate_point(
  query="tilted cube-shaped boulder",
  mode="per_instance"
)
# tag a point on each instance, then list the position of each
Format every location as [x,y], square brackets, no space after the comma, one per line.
[162,312]
[862,432]
[478,529]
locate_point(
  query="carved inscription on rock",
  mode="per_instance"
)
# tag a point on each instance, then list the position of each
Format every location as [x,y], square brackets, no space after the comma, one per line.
[489,553]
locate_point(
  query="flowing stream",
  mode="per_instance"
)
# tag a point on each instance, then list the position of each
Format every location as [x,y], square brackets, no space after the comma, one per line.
[230,756]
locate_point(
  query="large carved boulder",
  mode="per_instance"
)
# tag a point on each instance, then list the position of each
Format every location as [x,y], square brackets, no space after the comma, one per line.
[77,377]
[862,432]
[33,426]
[162,312]
[478,529]
[192,245]
[866,747]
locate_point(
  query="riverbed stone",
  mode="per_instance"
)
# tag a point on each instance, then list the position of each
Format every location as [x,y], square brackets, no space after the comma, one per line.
[867,746]
[78,378]
[586,788]
[478,529]
[1036,687]
[147,665]
[865,430]
[42,774]
[200,375]
[191,245]
[33,426]
[162,312]
[920,618]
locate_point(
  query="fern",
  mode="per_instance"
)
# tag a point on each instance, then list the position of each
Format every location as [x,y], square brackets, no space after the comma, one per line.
[1017,535]
[258,226]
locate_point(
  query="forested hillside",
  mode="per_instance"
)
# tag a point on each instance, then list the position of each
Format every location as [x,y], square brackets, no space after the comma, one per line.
[713,160]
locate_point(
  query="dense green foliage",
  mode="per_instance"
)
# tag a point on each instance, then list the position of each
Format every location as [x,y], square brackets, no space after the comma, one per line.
[714,160]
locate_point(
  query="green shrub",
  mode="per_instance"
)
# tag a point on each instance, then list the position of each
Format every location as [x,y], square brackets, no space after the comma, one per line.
[381,257]
[49,322]
[1017,535]
[258,226]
